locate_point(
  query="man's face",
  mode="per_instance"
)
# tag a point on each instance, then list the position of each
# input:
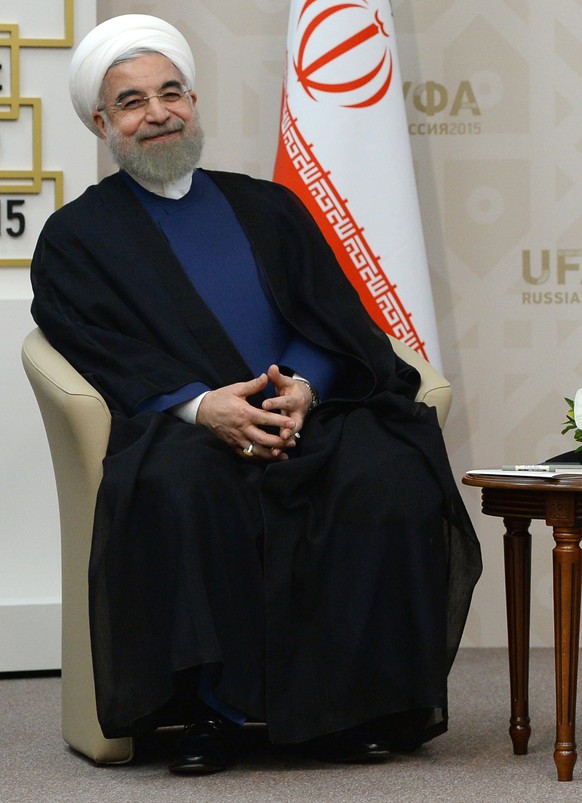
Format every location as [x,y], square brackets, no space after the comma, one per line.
[157,142]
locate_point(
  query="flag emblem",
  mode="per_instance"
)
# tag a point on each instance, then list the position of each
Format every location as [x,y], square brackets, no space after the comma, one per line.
[355,68]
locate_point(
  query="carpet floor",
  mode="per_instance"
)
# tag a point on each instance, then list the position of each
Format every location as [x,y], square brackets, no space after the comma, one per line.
[472,762]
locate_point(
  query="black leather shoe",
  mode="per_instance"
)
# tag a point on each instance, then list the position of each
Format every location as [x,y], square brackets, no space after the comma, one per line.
[347,747]
[206,746]
[404,731]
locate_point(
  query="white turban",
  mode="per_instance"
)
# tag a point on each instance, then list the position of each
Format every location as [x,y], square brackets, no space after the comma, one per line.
[112,39]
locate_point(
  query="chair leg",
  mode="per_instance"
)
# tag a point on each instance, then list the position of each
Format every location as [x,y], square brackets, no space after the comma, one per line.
[517,552]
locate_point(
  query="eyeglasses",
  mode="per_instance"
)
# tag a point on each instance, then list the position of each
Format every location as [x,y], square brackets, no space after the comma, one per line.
[132,103]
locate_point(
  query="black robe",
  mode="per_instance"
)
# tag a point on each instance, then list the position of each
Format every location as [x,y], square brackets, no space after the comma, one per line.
[328,590]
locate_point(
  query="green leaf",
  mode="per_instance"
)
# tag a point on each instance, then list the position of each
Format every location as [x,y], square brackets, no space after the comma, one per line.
[570,423]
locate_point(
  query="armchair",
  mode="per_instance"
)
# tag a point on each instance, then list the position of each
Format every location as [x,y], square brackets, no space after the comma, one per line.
[77,423]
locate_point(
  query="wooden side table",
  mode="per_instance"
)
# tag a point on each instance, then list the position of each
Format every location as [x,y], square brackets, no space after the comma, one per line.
[558,502]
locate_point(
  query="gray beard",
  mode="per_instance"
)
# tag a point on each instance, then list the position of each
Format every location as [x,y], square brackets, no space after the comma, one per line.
[162,163]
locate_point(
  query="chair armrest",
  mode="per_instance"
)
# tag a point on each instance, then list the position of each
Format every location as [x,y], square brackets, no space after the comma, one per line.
[78,424]
[434,389]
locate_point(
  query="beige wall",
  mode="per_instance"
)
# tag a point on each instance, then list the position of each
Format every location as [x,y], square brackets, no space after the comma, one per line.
[494,99]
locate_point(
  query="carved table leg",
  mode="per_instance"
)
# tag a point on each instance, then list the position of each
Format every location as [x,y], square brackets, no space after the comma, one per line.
[567,562]
[517,551]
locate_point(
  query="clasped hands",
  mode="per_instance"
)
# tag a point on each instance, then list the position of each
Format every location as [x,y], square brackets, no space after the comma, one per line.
[228,414]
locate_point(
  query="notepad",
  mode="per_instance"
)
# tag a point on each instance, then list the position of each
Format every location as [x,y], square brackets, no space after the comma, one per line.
[542,470]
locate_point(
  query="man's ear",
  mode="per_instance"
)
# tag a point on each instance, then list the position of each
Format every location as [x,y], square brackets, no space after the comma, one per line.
[100,123]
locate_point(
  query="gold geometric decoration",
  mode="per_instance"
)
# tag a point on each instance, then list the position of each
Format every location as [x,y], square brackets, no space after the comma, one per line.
[16,110]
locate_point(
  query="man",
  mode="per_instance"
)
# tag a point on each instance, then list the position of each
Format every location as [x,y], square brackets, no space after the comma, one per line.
[281,508]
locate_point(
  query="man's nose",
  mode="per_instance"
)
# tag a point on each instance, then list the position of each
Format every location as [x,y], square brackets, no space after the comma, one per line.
[156,111]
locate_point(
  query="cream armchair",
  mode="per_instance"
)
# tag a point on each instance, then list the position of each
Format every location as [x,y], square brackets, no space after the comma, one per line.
[77,423]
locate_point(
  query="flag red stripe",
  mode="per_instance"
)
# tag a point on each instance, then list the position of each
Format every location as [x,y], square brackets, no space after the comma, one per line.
[298,168]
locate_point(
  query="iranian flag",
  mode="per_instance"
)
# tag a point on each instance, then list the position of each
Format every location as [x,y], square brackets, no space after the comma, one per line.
[344,150]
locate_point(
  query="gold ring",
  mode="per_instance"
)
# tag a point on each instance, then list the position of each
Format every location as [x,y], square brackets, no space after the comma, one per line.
[248,452]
